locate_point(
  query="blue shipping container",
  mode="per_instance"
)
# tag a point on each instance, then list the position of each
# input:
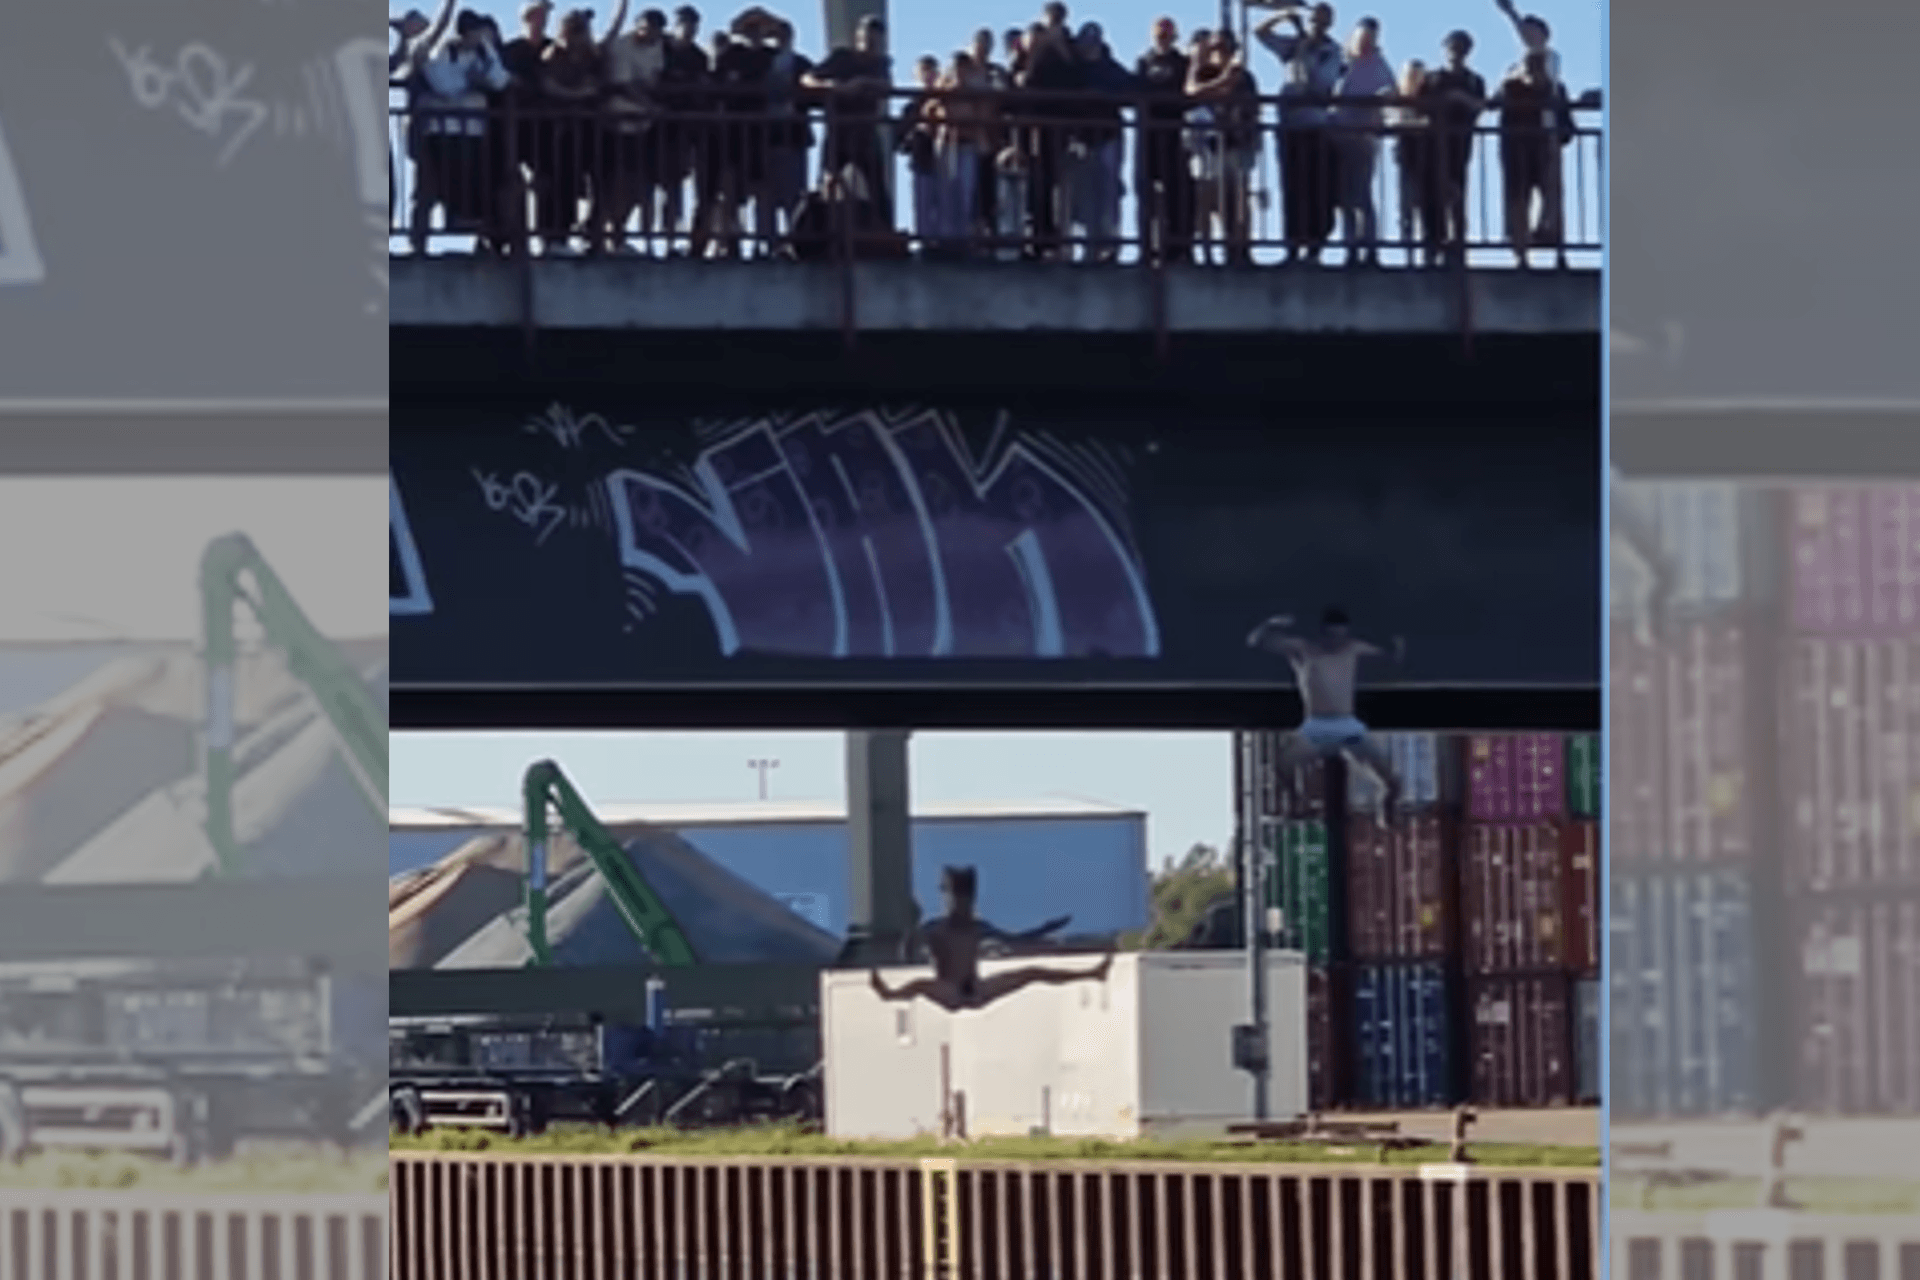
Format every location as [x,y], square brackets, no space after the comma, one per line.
[1710,537]
[1418,760]
[1403,1034]
[1681,970]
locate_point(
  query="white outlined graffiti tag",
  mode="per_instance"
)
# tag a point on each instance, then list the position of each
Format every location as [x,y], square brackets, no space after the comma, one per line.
[526,498]
[201,88]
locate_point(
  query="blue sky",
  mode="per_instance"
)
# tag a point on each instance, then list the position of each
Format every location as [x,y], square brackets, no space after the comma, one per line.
[1184,781]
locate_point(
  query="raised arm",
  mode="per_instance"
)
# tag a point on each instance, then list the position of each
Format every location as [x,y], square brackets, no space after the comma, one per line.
[441,21]
[1282,47]
[1513,16]
[613,27]
[1272,636]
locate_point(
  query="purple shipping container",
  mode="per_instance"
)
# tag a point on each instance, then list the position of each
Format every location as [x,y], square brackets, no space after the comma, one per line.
[1858,1020]
[1852,748]
[1636,747]
[1856,560]
[1519,777]
[1709,810]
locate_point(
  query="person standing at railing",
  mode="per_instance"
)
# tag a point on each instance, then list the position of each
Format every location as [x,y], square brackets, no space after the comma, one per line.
[533,127]
[1226,147]
[634,65]
[1096,185]
[683,137]
[1051,70]
[740,72]
[1358,121]
[448,172]
[965,137]
[1162,183]
[1314,65]
[1533,109]
[415,37]
[1422,202]
[572,80]
[789,135]
[918,140]
[857,82]
[995,80]
[1536,37]
[1453,99]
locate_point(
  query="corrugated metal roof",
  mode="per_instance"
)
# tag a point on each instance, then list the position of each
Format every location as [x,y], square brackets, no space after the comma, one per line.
[764,813]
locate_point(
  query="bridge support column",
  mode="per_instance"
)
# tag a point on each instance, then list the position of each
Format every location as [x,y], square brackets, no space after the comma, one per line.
[880,836]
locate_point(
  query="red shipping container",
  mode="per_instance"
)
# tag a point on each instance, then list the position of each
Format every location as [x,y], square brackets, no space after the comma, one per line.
[1852,762]
[1397,888]
[1322,1040]
[1856,560]
[1521,1040]
[1513,879]
[1636,747]
[1516,777]
[1858,1016]
[1580,878]
[1709,816]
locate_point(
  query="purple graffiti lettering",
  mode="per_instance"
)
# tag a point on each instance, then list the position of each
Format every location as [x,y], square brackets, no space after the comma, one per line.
[871,536]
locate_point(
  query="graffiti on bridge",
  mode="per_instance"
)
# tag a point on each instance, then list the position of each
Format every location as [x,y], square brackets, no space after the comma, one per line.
[867,534]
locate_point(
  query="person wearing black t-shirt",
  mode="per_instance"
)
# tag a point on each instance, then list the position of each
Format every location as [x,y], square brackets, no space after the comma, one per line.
[857,82]
[741,69]
[1452,99]
[1051,69]
[685,142]
[1163,181]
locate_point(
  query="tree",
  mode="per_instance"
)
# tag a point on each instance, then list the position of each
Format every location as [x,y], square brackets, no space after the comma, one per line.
[1180,896]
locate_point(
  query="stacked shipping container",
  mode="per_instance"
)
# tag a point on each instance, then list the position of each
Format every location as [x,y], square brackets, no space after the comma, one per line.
[1454,948]
[1850,763]
[1686,674]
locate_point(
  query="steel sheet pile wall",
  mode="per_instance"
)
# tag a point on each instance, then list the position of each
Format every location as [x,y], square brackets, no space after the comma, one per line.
[1850,764]
[1454,947]
[1687,798]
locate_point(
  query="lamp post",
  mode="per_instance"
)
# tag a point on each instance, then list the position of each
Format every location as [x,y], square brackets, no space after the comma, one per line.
[763,767]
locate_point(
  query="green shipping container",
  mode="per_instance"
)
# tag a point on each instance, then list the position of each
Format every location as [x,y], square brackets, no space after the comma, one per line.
[1583,775]
[1296,873]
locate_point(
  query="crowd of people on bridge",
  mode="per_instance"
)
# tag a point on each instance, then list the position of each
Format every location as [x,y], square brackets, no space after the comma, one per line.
[643,138]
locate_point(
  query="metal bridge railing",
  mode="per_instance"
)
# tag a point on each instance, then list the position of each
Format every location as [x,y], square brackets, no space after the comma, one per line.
[1126,186]
[503,1218]
[114,1235]
[1762,1244]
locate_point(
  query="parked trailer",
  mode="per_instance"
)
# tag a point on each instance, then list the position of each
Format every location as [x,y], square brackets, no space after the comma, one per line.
[181,1059]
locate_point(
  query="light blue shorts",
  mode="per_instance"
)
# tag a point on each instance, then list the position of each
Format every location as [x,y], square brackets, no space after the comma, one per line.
[1330,735]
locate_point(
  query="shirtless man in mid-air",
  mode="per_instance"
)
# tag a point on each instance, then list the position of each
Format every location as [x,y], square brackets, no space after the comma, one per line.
[953,942]
[1325,666]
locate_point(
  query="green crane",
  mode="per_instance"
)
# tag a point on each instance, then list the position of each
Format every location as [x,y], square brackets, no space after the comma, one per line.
[547,791]
[232,572]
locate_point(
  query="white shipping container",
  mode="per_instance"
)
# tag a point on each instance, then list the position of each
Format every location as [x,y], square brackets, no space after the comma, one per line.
[1145,1053]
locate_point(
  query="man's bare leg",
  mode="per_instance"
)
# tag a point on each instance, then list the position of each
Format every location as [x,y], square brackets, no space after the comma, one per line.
[1005,984]
[932,990]
[1374,758]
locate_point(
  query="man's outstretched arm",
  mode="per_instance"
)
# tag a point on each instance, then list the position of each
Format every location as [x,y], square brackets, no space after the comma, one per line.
[1272,636]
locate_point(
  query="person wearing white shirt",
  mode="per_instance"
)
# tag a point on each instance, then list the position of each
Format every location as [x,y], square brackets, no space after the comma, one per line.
[1357,125]
[454,84]
[1313,65]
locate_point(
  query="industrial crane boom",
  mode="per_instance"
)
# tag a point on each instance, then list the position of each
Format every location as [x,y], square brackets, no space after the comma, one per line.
[546,790]
[227,568]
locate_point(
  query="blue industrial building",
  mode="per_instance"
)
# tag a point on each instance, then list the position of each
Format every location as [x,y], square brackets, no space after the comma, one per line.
[1036,859]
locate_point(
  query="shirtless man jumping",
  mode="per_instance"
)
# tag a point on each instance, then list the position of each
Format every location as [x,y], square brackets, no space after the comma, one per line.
[953,941]
[1324,668]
